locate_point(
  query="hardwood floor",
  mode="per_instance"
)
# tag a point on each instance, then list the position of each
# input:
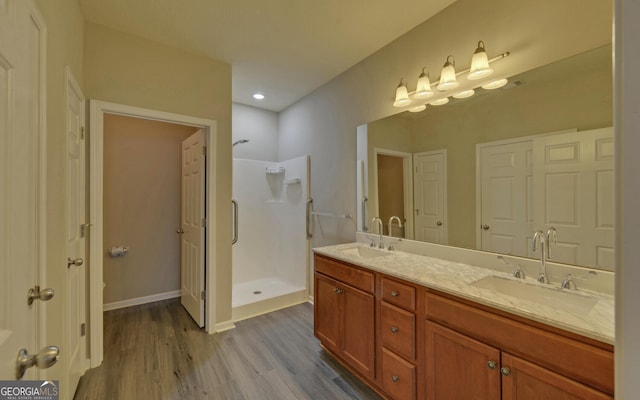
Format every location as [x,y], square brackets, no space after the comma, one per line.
[155,351]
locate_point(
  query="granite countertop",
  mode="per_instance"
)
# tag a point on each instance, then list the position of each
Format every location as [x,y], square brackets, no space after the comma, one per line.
[457,279]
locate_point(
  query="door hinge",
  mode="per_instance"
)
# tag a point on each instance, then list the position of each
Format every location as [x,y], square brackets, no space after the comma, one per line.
[204,150]
[83,329]
[203,295]
[82,132]
[204,222]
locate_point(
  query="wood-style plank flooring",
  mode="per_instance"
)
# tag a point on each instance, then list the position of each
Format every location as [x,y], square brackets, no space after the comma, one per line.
[155,351]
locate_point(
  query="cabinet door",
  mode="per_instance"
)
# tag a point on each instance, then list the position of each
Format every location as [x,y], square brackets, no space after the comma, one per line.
[327,312]
[460,368]
[358,334]
[527,381]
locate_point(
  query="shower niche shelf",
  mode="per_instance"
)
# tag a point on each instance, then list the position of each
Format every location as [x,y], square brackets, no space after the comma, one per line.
[275,171]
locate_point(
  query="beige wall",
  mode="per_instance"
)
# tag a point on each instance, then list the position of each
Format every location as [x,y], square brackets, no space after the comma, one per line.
[64,48]
[142,186]
[560,96]
[126,69]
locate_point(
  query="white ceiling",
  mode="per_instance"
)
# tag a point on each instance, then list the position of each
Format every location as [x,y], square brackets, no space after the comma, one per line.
[283,48]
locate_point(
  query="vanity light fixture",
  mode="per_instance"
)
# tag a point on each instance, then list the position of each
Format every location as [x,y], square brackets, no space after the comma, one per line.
[448,75]
[449,80]
[479,64]
[464,94]
[440,102]
[258,96]
[402,95]
[495,84]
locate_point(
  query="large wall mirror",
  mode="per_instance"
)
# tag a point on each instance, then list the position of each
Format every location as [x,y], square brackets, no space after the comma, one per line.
[488,171]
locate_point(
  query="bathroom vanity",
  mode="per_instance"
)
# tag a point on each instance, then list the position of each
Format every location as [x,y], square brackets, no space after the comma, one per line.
[417,327]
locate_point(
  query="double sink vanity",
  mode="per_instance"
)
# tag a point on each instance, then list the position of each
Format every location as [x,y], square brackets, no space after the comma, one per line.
[413,326]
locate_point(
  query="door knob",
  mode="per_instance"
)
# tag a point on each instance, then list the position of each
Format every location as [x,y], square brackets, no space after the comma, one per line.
[43,359]
[36,294]
[77,262]
[180,231]
[439,223]
[485,227]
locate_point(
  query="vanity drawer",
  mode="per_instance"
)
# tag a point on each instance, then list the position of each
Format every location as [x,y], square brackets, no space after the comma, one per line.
[398,330]
[400,294]
[350,275]
[398,376]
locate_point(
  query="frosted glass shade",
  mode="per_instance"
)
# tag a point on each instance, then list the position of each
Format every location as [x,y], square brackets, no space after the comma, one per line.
[402,96]
[479,64]
[423,89]
[495,84]
[448,79]
[440,102]
[418,108]
[464,94]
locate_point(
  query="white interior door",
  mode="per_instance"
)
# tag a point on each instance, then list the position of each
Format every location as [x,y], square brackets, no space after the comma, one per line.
[21,180]
[430,191]
[192,255]
[76,233]
[506,223]
[574,192]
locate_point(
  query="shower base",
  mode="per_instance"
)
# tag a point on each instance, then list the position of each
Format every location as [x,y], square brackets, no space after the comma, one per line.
[261,296]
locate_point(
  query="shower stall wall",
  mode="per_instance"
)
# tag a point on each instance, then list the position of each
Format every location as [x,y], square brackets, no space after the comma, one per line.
[270,258]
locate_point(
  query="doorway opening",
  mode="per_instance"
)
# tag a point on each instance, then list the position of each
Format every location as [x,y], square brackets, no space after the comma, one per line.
[101,115]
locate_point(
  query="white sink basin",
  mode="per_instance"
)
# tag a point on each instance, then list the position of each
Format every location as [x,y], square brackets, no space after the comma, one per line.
[364,252]
[552,297]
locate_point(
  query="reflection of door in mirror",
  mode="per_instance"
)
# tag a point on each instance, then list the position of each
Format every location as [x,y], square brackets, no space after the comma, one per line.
[430,196]
[391,191]
[564,180]
[394,191]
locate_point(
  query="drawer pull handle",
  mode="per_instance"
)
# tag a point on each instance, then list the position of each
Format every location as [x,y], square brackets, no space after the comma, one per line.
[394,293]
[394,329]
[336,290]
[492,364]
[505,371]
[395,378]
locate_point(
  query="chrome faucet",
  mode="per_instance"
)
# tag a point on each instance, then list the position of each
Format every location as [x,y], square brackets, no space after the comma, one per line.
[518,272]
[390,224]
[551,236]
[379,221]
[539,237]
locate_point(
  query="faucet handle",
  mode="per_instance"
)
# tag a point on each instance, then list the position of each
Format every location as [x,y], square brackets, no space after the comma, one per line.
[568,283]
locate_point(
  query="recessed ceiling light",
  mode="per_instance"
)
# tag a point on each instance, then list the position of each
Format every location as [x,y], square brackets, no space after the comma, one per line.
[258,96]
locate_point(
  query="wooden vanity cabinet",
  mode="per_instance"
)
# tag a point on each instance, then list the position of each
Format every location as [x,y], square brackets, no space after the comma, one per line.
[344,313]
[474,354]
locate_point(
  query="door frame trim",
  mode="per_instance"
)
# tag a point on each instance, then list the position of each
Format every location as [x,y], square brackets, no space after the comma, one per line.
[97,110]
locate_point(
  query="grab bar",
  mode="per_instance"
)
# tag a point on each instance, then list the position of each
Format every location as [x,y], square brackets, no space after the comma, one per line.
[365,200]
[309,210]
[324,214]
[235,221]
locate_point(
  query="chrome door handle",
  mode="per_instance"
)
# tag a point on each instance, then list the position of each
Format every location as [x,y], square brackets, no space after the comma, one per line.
[180,231]
[309,210]
[36,294]
[43,359]
[77,262]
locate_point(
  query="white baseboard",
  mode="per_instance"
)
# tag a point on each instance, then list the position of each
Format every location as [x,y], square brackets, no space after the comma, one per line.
[141,300]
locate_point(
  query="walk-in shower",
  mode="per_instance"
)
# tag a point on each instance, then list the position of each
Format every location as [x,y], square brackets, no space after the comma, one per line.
[270,256]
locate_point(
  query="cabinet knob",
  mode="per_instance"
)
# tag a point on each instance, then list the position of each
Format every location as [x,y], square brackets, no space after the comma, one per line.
[394,329]
[395,378]
[492,364]
[394,293]
[505,371]
[336,290]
